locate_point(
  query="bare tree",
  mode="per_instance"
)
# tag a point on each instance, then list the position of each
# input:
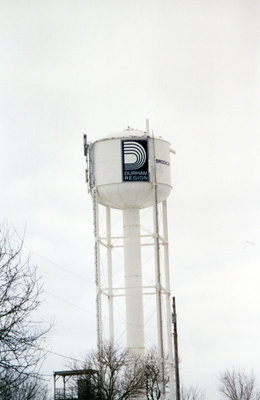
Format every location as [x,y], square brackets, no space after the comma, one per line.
[20,339]
[153,376]
[237,385]
[120,375]
[31,389]
[191,393]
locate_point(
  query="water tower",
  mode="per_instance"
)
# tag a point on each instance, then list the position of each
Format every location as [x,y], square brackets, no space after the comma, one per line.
[129,172]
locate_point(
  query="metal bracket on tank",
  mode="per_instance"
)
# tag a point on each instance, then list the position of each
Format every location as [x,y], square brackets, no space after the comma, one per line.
[88,153]
[85,144]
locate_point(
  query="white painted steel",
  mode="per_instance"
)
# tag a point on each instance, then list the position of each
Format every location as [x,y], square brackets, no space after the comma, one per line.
[168,296]
[133,281]
[108,189]
[107,159]
[109,275]
[97,270]
[158,285]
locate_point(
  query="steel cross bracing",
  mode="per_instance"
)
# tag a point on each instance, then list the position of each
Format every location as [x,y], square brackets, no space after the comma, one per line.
[109,243]
[159,289]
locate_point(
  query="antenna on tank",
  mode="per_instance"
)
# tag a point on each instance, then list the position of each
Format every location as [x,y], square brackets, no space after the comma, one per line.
[85,147]
[147,126]
[85,144]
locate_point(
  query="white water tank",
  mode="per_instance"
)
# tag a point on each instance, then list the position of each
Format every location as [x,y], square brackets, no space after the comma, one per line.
[122,169]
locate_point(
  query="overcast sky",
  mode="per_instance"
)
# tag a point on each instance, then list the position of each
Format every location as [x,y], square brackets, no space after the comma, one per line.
[96,66]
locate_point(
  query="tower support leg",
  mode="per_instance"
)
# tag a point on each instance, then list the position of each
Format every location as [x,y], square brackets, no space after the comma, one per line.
[109,274]
[168,299]
[97,272]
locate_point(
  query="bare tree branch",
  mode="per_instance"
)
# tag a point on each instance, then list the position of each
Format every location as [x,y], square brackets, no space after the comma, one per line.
[237,385]
[121,375]
[191,393]
[20,339]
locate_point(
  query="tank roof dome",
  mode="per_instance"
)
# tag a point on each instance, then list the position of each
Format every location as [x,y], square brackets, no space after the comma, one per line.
[128,132]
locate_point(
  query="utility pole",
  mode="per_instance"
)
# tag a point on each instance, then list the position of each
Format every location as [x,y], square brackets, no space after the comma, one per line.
[176,356]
